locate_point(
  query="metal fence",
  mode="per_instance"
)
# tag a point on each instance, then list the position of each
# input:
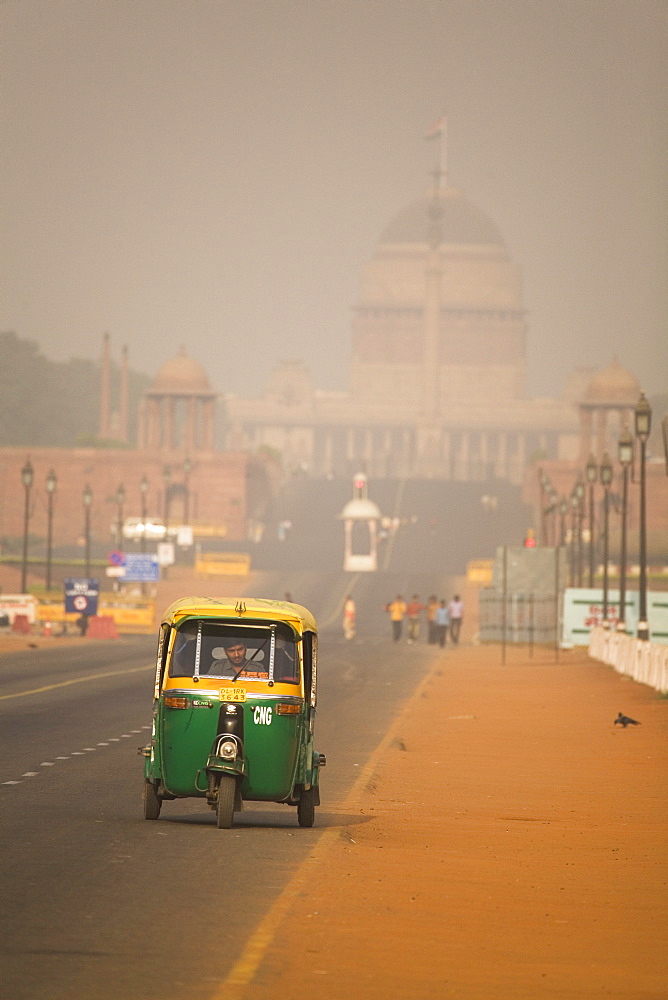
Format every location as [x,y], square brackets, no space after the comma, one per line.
[519,618]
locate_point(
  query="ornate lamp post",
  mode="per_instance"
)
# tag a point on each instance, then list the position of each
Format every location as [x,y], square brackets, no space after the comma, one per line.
[120,500]
[27,476]
[563,511]
[553,509]
[606,480]
[51,483]
[625,455]
[592,476]
[166,478]
[143,489]
[643,425]
[573,550]
[87,502]
[187,469]
[579,491]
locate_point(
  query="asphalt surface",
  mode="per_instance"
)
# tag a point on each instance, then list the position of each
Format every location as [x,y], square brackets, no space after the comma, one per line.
[98,903]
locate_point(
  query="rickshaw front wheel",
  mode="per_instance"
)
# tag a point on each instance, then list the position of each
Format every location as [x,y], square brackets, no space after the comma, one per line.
[306,808]
[225,804]
[152,801]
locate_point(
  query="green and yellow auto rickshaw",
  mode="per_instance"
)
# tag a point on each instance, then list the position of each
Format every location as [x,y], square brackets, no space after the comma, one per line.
[234,708]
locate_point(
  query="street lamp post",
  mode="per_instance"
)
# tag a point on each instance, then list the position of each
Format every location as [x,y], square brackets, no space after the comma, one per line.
[592,475]
[27,476]
[579,491]
[120,500]
[166,478]
[187,469]
[643,425]
[87,502]
[573,562]
[625,455]
[563,511]
[606,480]
[554,510]
[51,483]
[143,489]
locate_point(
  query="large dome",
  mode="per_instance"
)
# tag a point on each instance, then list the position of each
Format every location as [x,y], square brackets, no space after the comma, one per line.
[462,223]
[181,376]
[613,386]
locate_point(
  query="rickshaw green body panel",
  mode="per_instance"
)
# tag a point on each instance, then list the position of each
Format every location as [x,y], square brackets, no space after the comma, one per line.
[271,748]
[269,710]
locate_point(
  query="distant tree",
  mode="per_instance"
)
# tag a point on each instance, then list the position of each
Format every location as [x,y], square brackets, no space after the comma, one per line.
[52,403]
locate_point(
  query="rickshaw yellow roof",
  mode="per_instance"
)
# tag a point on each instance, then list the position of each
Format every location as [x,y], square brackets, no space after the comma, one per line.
[253,607]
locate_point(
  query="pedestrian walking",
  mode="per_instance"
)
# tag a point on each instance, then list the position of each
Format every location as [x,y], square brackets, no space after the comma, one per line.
[413,611]
[456,612]
[349,618]
[432,605]
[442,620]
[397,610]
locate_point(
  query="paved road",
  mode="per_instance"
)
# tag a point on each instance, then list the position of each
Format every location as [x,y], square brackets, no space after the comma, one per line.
[96,902]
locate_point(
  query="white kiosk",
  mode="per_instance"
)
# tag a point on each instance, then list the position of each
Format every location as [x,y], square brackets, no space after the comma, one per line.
[360,518]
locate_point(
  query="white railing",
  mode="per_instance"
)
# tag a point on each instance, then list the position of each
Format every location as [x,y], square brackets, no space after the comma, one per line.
[645,662]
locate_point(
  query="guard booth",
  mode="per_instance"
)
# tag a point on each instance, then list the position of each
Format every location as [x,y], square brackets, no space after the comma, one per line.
[360,518]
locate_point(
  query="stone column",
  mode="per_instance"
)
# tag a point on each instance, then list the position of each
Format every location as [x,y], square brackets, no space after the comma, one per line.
[586,447]
[105,391]
[601,431]
[192,425]
[124,396]
[168,438]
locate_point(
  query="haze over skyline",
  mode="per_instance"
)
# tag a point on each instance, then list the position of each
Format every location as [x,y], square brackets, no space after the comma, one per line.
[214,174]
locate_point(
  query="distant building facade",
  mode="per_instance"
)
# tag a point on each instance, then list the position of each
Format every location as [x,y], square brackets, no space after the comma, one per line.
[186,480]
[437,383]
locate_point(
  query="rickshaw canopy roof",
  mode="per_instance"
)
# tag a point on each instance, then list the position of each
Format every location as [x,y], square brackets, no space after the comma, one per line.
[239,609]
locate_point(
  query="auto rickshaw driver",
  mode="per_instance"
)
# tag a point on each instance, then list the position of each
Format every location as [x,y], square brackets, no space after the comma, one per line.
[238,663]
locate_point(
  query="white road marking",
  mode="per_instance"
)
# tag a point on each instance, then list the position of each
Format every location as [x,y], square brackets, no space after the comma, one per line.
[75,753]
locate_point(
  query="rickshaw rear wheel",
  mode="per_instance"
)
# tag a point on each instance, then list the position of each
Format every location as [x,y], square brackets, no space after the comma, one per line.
[225,804]
[152,801]
[306,808]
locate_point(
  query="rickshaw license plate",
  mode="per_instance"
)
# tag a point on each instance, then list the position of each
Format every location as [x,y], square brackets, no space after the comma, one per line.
[232,694]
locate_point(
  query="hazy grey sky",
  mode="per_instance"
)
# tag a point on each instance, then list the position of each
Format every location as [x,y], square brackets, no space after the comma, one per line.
[213,173]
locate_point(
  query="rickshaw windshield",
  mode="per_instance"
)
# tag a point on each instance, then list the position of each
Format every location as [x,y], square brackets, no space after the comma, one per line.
[231,652]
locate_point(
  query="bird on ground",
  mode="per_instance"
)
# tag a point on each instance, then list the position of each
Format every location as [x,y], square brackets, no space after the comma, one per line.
[625,721]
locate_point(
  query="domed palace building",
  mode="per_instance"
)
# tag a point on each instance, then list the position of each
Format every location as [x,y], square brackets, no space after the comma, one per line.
[437,384]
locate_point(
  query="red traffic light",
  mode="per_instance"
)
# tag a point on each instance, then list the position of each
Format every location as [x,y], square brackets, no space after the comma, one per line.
[530,539]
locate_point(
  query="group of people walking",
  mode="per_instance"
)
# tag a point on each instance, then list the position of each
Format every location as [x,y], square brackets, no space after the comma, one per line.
[442,618]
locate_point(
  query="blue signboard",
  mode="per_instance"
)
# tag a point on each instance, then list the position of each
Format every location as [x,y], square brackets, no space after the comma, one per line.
[139,566]
[81,595]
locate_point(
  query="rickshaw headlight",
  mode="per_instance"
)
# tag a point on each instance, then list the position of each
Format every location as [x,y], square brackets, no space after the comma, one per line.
[227,749]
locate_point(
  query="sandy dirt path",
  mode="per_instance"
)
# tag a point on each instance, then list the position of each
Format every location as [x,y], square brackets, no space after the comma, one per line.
[507,841]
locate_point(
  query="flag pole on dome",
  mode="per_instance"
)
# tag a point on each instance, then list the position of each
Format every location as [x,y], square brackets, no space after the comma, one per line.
[438,130]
